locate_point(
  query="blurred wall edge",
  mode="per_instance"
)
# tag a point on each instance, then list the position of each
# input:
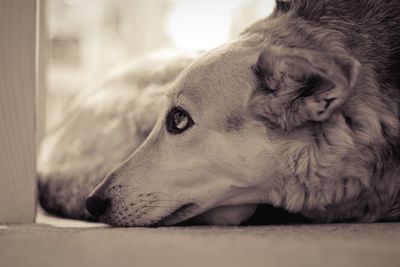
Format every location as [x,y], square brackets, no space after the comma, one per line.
[17,111]
[42,46]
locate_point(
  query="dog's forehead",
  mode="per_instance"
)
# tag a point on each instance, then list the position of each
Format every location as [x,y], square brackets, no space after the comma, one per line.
[220,77]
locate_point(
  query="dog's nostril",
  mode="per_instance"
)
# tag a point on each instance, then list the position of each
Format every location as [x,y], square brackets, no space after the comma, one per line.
[96,206]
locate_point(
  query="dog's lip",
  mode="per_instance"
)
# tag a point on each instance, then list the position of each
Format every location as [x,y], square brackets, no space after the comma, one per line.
[179,215]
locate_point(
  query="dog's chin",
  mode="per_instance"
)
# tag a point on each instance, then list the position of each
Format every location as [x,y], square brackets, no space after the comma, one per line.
[176,216]
[188,214]
[179,216]
[191,214]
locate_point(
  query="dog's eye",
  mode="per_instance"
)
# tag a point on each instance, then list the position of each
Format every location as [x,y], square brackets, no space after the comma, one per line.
[178,120]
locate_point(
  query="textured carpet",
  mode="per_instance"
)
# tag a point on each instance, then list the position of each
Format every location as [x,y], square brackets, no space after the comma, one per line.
[59,242]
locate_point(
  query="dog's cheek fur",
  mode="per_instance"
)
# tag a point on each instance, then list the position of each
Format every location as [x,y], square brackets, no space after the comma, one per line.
[312,172]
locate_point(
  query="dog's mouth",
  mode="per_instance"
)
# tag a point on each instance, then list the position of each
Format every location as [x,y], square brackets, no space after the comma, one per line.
[179,215]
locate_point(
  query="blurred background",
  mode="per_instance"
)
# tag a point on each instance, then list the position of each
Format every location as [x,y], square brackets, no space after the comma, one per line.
[81,40]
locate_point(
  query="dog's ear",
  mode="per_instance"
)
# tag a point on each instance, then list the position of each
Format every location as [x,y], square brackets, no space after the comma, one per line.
[301,85]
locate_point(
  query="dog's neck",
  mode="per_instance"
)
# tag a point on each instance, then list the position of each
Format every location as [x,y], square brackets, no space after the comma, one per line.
[379,202]
[362,186]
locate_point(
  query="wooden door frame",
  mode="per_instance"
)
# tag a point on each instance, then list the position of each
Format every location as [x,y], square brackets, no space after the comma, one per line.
[18,82]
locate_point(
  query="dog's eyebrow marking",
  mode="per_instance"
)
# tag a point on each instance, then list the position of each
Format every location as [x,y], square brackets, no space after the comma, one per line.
[174,95]
[187,94]
[191,95]
[233,123]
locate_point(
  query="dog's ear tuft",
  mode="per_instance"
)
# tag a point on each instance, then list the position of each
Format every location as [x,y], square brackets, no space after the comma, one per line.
[306,85]
[282,6]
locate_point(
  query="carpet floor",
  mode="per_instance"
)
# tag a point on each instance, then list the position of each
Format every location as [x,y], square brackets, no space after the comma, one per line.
[56,242]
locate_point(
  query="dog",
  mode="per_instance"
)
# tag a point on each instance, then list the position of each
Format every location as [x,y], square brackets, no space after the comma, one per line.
[301,111]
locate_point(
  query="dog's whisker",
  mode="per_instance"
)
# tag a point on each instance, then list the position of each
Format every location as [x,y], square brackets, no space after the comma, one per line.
[166,200]
[160,193]
[155,206]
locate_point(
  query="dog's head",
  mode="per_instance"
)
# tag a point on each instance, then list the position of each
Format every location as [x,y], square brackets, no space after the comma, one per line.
[259,120]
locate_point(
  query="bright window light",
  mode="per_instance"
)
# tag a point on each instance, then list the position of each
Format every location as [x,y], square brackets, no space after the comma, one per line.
[197,25]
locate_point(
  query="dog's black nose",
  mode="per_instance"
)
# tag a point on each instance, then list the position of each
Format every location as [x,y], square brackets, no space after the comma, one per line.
[96,206]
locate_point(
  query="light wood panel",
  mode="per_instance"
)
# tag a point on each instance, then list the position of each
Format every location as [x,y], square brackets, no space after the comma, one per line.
[42,48]
[17,111]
